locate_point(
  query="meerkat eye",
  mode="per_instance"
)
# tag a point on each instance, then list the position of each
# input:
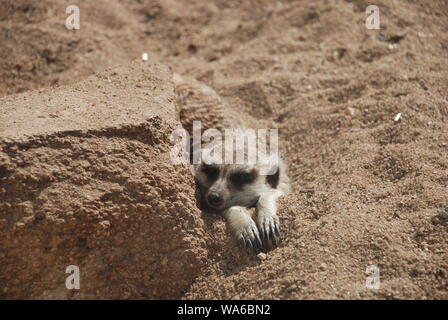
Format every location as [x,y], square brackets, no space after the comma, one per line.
[211,172]
[242,178]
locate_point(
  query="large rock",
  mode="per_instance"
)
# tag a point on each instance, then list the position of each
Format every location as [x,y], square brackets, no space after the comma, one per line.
[86,180]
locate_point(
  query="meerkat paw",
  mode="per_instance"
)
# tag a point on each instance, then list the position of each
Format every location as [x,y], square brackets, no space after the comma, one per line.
[249,236]
[244,228]
[269,227]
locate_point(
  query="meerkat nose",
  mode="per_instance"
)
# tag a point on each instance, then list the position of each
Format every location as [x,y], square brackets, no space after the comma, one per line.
[215,199]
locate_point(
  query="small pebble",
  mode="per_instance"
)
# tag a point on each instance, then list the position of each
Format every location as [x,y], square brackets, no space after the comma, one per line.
[350,111]
[262,256]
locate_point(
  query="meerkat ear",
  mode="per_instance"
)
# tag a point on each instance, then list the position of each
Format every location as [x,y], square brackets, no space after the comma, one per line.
[273,179]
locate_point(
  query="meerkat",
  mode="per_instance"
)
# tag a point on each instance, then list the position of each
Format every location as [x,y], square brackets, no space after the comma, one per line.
[232,190]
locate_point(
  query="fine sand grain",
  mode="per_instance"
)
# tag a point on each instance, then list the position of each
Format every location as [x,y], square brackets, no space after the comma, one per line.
[85,175]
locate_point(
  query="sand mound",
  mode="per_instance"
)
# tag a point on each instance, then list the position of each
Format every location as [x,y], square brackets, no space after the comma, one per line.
[86,180]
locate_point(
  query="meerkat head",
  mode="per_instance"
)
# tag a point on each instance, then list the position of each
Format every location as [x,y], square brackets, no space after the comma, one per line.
[230,175]
[222,186]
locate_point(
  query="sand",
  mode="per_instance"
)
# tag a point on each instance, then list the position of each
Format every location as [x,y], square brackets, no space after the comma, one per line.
[85,176]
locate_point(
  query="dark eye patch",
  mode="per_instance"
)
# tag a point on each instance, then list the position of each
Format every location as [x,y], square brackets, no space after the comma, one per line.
[239,179]
[211,172]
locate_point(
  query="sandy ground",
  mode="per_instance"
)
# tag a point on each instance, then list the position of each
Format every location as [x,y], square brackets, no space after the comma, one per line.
[367,190]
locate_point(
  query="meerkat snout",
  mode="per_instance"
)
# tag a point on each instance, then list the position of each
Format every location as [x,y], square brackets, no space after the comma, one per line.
[215,200]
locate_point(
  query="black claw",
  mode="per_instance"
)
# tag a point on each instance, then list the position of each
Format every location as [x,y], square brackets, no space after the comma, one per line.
[277,231]
[267,230]
[271,233]
[255,240]
[261,231]
[275,240]
[242,242]
[263,234]
[250,246]
[255,246]
[259,243]
[267,241]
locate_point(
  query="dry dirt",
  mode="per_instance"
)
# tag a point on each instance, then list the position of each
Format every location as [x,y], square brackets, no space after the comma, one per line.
[85,176]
